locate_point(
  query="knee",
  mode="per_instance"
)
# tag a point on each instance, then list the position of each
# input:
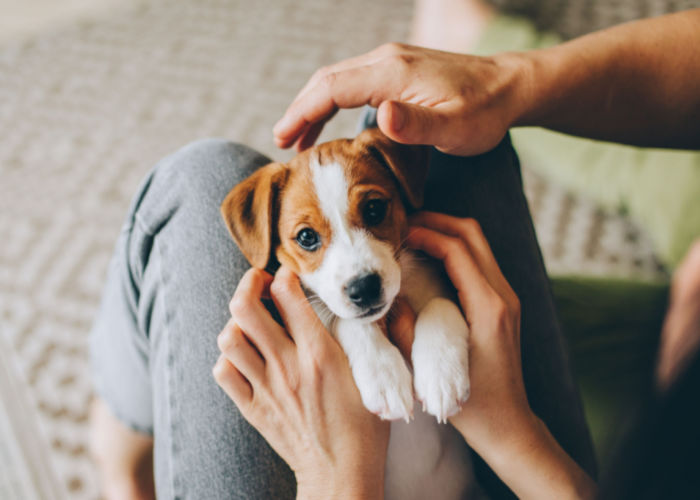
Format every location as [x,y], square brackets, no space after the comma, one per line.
[208,167]
[193,182]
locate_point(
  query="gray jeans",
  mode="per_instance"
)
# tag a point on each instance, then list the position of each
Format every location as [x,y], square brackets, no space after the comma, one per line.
[175,269]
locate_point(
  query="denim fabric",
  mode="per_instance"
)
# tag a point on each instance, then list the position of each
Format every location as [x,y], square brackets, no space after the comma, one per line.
[175,269]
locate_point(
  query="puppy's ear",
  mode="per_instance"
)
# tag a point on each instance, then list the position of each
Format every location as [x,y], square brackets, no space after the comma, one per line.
[409,164]
[250,212]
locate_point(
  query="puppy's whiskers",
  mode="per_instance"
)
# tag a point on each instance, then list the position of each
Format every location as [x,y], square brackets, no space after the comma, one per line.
[321,309]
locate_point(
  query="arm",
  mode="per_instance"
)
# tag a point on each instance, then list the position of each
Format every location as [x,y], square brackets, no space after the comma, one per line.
[496,420]
[527,458]
[635,83]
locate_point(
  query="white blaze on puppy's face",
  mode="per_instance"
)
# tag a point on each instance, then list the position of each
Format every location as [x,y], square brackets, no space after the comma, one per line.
[352,251]
[335,216]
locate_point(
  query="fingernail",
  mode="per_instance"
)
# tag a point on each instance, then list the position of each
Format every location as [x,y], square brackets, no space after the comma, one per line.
[278,126]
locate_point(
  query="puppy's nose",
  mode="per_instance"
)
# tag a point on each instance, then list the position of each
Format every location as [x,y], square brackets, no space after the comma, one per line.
[364,290]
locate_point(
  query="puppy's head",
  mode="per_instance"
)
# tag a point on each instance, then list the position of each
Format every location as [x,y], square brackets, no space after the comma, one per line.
[336,215]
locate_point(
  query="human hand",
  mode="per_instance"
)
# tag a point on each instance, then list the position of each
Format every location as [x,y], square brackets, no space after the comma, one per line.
[295,386]
[496,420]
[492,310]
[461,104]
[680,337]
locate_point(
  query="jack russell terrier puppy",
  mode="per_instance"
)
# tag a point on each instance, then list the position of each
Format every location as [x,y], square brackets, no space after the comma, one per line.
[335,214]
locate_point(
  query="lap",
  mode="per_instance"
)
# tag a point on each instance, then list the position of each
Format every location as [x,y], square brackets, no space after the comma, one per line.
[176,267]
[489,188]
[174,272]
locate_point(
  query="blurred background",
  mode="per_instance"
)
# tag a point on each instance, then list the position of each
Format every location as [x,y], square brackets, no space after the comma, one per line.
[94,92]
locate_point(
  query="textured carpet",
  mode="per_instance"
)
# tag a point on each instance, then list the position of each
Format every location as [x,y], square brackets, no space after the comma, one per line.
[87,110]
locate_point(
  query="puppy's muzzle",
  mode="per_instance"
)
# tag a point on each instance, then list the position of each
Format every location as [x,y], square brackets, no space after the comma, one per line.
[365,291]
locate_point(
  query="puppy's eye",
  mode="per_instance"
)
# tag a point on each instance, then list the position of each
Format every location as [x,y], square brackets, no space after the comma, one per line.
[308,239]
[374,212]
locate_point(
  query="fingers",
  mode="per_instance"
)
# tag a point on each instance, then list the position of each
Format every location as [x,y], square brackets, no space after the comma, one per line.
[413,124]
[469,231]
[300,319]
[349,88]
[465,274]
[368,79]
[352,62]
[234,345]
[329,89]
[232,382]
[680,336]
[250,315]
[253,286]
[402,320]
[309,136]
[685,286]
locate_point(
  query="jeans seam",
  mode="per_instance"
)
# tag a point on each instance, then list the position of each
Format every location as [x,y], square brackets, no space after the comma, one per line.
[169,402]
[138,220]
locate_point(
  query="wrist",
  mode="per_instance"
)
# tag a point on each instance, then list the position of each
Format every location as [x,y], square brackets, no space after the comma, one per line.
[496,438]
[522,439]
[348,483]
[525,455]
[519,68]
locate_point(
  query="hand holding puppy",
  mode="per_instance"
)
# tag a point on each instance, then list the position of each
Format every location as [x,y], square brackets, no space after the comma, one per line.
[496,420]
[493,312]
[294,385]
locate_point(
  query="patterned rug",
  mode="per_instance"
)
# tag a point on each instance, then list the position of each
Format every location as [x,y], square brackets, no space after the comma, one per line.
[87,110]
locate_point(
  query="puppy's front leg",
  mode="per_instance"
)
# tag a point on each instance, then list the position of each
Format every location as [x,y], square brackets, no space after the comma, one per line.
[379,370]
[441,359]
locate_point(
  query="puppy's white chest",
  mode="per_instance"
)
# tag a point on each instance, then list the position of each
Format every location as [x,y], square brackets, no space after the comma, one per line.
[426,459]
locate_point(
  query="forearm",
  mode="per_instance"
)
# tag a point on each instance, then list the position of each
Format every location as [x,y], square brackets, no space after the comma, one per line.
[527,458]
[347,484]
[637,83]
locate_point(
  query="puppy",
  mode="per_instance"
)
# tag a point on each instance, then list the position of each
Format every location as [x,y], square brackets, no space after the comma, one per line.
[336,215]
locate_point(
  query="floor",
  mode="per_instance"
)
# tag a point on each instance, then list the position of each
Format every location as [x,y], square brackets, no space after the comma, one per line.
[27,18]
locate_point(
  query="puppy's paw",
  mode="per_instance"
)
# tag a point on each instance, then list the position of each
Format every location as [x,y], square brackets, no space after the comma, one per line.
[442,385]
[441,359]
[385,384]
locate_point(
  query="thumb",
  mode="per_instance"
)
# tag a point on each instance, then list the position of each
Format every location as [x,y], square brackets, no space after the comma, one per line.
[411,124]
[299,318]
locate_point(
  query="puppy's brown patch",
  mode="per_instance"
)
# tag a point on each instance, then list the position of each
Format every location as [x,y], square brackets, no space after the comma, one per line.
[299,208]
[266,212]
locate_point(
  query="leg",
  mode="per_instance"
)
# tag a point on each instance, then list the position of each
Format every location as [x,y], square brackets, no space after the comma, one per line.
[154,342]
[124,457]
[379,370]
[441,358]
[489,189]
